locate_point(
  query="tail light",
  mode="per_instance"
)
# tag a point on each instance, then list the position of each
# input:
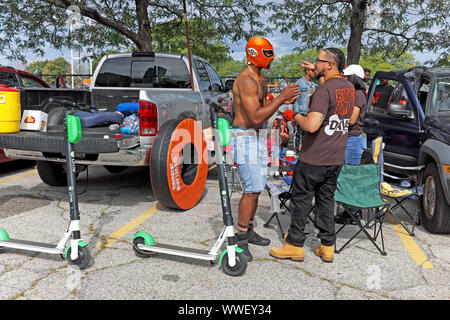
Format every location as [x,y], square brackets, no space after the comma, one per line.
[148,118]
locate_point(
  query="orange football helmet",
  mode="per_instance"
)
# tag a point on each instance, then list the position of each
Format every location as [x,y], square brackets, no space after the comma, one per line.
[259,52]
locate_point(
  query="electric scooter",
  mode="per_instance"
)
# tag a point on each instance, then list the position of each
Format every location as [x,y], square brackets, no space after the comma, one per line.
[76,252]
[232,259]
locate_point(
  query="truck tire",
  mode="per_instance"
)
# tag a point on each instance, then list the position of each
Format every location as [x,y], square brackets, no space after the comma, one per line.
[52,173]
[435,210]
[178,168]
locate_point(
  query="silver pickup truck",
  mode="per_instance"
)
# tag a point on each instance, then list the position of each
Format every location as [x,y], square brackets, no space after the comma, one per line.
[173,118]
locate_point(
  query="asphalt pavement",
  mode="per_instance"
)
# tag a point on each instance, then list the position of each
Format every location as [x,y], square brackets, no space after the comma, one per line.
[115,206]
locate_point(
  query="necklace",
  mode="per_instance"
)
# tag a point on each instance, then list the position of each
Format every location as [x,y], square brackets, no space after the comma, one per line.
[261,79]
[255,74]
[336,75]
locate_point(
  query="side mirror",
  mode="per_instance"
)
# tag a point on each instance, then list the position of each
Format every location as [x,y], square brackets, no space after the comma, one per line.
[229,85]
[398,110]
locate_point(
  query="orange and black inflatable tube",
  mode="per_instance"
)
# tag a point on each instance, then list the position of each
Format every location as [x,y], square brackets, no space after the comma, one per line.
[173,187]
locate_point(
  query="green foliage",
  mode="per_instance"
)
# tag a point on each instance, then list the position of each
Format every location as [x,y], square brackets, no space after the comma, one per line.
[230,67]
[55,66]
[36,67]
[203,37]
[290,65]
[443,61]
[31,25]
[382,63]
[388,27]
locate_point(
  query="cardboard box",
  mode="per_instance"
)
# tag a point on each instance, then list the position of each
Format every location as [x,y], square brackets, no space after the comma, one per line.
[34,120]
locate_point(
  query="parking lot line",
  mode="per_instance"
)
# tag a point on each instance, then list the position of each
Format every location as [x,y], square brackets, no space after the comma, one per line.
[414,250]
[113,237]
[25,174]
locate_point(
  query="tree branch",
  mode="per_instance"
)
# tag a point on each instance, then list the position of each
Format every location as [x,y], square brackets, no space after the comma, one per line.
[95,15]
[389,32]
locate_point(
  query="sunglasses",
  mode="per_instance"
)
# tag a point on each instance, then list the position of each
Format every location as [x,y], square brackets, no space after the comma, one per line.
[320,60]
[267,53]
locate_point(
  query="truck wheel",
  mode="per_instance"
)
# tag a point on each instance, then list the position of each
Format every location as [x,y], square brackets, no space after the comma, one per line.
[52,173]
[435,210]
[178,168]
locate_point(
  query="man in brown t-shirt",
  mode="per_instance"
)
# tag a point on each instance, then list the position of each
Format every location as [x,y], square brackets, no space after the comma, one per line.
[321,157]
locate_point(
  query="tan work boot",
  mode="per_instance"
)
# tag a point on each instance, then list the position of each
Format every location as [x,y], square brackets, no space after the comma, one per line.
[325,252]
[288,251]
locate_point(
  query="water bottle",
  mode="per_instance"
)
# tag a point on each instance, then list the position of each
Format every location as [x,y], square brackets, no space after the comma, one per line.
[114,127]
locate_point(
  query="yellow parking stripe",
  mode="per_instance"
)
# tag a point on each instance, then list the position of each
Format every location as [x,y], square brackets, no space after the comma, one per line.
[25,174]
[414,250]
[113,237]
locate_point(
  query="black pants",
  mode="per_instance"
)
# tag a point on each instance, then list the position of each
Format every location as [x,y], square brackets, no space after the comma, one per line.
[308,182]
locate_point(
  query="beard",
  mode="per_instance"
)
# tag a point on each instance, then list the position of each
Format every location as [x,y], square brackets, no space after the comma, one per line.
[318,74]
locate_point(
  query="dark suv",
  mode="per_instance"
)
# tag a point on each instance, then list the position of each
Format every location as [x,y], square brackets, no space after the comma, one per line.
[411,112]
[19,79]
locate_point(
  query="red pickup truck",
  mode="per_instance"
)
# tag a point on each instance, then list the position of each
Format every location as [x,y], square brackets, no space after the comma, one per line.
[18,79]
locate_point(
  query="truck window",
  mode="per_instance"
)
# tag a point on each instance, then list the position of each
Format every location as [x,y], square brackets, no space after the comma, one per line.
[205,83]
[9,79]
[31,83]
[160,72]
[217,84]
[422,94]
[441,96]
[390,93]
[115,72]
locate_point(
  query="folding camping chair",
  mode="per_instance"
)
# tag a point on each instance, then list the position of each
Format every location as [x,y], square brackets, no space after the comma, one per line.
[283,194]
[280,194]
[399,195]
[358,187]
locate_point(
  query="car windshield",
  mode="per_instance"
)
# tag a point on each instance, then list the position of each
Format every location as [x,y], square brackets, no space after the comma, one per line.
[441,96]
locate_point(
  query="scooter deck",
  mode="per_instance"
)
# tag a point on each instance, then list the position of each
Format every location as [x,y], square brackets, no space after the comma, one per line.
[178,251]
[31,246]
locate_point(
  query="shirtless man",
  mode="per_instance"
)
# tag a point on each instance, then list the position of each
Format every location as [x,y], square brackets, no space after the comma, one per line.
[249,147]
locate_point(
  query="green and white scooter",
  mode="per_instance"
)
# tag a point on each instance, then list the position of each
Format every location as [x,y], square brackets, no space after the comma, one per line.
[75,251]
[232,259]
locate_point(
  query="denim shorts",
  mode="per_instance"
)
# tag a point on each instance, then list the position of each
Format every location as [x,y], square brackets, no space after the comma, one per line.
[250,155]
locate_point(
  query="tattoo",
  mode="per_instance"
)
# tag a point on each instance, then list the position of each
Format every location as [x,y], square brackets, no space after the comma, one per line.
[322,118]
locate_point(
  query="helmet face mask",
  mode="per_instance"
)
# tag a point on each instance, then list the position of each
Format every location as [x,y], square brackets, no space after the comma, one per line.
[259,52]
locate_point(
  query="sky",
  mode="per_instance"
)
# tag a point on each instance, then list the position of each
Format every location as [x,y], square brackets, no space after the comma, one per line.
[283,44]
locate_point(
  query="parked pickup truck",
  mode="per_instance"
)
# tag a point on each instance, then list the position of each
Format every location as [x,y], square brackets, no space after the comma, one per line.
[414,121]
[172,117]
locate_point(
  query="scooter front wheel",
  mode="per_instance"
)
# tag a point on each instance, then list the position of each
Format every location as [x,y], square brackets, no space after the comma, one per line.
[84,257]
[140,253]
[238,269]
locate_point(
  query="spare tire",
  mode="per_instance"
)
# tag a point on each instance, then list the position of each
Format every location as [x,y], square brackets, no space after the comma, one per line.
[179,164]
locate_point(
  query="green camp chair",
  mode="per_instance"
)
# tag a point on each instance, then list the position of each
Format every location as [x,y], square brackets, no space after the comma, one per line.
[358,187]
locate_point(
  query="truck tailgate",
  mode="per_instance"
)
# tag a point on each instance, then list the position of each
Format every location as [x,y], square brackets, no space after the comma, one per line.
[55,142]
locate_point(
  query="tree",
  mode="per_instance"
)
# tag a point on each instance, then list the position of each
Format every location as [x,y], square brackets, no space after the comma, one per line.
[203,36]
[290,65]
[107,24]
[36,67]
[49,67]
[366,26]
[230,67]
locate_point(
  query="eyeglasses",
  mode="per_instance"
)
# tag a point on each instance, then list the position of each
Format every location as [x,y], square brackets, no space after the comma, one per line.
[320,60]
